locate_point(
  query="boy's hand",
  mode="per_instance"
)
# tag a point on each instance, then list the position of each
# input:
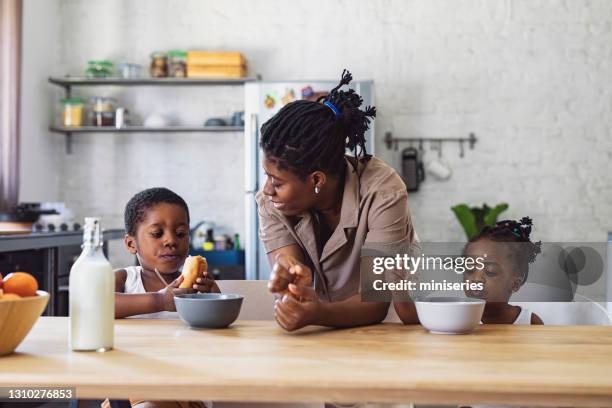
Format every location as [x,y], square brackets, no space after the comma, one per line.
[206,283]
[165,296]
[301,308]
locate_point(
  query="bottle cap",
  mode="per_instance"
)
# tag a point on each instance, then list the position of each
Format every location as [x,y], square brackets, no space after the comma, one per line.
[91,232]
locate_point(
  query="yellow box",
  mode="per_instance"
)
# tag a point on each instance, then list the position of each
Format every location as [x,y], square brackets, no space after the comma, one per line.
[199,71]
[215,58]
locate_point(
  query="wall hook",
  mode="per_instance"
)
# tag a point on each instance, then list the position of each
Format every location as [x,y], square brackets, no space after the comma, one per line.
[393,142]
[472,141]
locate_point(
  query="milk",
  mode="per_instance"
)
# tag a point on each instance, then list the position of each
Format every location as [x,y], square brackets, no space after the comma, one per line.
[92,295]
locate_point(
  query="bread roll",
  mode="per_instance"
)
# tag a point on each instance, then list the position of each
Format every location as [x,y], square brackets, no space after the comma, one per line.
[194,266]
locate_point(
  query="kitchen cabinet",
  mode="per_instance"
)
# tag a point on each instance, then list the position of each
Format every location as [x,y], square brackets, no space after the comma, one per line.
[227,265]
[49,257]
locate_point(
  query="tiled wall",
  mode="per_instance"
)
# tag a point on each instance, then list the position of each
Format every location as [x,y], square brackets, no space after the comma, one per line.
[531,78]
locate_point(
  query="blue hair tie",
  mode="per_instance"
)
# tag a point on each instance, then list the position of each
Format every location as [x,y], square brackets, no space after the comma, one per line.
[333,108]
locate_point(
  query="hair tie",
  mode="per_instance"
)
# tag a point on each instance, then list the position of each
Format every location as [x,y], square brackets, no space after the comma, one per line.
[333,108]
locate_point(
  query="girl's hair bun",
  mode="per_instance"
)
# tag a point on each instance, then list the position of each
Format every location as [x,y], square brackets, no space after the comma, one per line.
[514,231]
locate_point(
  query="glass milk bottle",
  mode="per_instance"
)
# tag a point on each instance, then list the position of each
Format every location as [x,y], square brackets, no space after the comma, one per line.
[92,294]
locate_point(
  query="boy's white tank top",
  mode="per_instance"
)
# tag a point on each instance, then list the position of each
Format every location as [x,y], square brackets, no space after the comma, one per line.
[133,284]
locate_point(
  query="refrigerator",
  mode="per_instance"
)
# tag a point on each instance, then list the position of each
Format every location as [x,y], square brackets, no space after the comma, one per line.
[262,101]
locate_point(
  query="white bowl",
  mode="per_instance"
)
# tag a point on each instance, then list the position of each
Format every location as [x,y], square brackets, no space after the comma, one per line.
[450,315]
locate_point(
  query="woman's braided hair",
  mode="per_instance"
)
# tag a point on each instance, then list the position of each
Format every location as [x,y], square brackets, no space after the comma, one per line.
[306,136]
[517,232]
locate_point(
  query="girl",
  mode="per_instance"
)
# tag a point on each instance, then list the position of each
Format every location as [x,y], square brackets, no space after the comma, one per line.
[319,207]
[509,251]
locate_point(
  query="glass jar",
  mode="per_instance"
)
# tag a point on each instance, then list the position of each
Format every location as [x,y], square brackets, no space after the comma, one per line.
[177,64]
[129,71]
[72,112]
[159,65]
[99,69]
[103,111]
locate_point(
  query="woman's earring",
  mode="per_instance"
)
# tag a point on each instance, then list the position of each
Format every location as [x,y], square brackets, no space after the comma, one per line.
[317,190]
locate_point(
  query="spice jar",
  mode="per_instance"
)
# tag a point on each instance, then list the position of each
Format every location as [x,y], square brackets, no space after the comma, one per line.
[103,111]
[72,112]
[177,64]
[129,71]
[122,116]
[99,69]
[159,65]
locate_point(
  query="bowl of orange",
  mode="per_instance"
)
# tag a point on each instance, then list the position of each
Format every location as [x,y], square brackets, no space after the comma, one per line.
[21,304]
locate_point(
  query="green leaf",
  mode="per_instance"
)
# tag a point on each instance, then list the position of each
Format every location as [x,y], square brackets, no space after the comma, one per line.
[479,215]
[467,220]
[491,217]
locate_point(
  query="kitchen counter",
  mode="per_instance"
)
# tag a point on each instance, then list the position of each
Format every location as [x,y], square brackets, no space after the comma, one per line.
[40,240]
[51,247]
[258,361]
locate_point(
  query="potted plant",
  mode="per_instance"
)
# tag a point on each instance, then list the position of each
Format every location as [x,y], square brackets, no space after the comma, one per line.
[473,219]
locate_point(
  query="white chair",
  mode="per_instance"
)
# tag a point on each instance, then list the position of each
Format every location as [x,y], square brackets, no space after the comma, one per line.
[582,311]
[543,293]
[555,305]
[258,302]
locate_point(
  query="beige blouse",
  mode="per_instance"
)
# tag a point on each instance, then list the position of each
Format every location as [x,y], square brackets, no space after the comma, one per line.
[374,211]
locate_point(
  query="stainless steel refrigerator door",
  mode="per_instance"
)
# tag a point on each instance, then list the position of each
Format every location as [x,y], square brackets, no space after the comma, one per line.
[251,169]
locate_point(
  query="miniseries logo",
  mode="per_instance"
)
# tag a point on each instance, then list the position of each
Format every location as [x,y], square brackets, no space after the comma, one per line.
[494,271]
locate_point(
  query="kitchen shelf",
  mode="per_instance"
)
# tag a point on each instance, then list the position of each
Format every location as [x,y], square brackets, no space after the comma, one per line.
[67,82]
[144,129]
[68,131]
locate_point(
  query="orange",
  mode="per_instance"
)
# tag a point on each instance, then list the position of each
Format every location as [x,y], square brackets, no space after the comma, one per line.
[20,283]
[9,296]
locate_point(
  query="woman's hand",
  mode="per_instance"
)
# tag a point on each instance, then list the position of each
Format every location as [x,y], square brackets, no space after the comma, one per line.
[165,296]
[298,309]
[288,270]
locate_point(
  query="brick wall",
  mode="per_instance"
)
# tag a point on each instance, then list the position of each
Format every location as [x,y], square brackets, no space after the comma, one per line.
[531,78]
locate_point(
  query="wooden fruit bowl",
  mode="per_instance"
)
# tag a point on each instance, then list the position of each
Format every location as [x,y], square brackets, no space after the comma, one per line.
[17,316]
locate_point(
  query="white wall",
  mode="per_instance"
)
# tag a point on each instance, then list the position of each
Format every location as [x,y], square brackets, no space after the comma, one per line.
[40,151]
[531,78]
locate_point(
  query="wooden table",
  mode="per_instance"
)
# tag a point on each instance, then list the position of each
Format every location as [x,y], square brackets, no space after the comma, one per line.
[257,361]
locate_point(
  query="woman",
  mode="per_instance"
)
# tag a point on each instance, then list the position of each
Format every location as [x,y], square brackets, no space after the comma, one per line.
[319,207]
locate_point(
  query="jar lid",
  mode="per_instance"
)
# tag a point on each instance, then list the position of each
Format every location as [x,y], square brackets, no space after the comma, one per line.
[177,53]
[104,63]
[158,54]
[128,65]
[103,100]
[73,101]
